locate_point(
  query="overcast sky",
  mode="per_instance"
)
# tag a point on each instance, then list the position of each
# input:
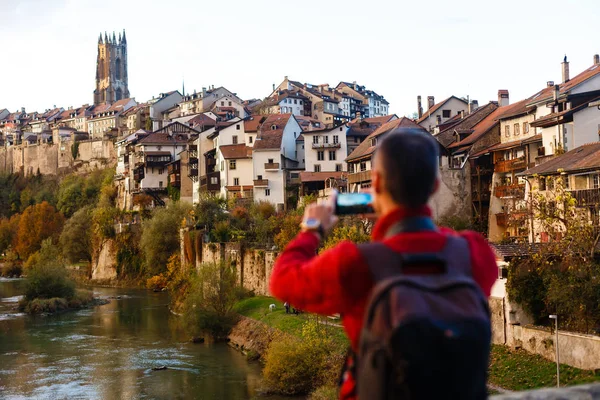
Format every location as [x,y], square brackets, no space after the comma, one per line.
[398,48]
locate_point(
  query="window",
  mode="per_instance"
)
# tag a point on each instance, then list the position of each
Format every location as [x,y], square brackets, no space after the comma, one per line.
[214,180]
[315,139]
[250,138]
[236,181]
[222,103]
[336,138]
[517,130]
[232,164]
[270,161]
[320,155]
[161,171]
[332,156]
[234,139]
[229,104]
[325,139]
[550,183]
[525,128]
[363,166]
[273,127]
[374,141]
[446,113]
[267,192]
[295,101]
[507,131]
[317,167]
[338,167]
[566,181]
[595,181]
[300,102]
[259,177]
[160,183]
[542,183]
[237,127]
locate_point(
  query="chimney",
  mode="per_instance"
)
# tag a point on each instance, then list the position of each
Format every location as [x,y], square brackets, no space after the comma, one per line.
[203,92]
[596,59]
[419,107]
[430,102]
[549,83]
[503,99]
[474,105]
[462,114]
[556,92]
[273,87]
[565,70]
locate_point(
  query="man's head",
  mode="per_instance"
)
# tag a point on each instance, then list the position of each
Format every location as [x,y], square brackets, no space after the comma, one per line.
[405,170]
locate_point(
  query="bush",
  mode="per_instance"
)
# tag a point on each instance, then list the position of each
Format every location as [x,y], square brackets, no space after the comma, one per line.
[75,239]
[157,282]
[301,365]
[326,392]
[12,270]
[47,276]
[36,224]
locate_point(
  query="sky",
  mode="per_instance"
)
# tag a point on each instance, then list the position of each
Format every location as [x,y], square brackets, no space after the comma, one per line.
[399,49]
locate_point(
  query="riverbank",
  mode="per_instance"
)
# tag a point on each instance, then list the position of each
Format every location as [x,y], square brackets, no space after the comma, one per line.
[511,370]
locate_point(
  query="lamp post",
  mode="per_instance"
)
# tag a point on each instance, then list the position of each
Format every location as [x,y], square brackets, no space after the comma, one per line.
[555,318]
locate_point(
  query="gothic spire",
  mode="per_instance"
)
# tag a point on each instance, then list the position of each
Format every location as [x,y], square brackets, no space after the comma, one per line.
[114,39]
[106,38]
[119,37]
[124,39]
[183,88]
[100,38]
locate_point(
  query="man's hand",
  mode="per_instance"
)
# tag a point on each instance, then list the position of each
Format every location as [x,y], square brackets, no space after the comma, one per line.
[322,213]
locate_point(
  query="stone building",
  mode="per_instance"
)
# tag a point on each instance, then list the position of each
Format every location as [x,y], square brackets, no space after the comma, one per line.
[111,70]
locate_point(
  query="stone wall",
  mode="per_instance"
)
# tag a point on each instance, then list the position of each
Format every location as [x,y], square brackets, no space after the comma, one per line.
[56,158]
[104,262]
[453,197]
[253,267]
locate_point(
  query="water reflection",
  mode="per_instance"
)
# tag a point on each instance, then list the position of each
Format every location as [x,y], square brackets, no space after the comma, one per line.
[108,353]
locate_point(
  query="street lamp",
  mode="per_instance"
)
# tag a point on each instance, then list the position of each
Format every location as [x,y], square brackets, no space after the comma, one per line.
[555,318]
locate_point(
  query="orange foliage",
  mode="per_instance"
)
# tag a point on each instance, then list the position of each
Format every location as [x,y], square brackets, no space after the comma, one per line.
[37,223]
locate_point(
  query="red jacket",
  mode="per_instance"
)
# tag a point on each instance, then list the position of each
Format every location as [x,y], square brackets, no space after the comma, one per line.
[339,281]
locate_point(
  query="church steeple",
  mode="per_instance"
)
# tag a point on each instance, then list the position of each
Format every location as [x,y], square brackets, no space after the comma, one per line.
[111,69]
[124,39]
[100,38]
[114,39]
[106,38]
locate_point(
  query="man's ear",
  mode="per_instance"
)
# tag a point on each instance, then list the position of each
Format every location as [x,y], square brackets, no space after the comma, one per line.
[376,181]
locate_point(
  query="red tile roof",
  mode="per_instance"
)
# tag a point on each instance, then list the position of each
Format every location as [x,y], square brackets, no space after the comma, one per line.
[164,138]
[548,93]
[253,122]
[488,123]
[236,151]
[447,136]
[271,132]
[366,150]
[586,157]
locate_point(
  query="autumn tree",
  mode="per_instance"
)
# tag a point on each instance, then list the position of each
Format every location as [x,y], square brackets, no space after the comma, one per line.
[37,223]
[544,283]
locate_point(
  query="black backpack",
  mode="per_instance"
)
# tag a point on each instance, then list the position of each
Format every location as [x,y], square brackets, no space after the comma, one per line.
[426,333]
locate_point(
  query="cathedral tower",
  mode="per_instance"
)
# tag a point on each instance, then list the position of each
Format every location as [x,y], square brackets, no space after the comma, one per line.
[111,69]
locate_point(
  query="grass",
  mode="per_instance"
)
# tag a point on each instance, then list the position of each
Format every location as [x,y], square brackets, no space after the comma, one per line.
[258,308]
[515,370]
[519,370]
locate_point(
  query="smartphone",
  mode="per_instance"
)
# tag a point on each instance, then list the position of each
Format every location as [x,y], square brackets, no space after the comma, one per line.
[354,203]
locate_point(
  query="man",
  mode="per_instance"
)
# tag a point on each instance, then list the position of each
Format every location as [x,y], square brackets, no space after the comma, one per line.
[404,176]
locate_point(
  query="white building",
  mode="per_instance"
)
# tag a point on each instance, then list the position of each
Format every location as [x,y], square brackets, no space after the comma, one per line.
[326,150]
[274,155]
[441,112]
[159,105]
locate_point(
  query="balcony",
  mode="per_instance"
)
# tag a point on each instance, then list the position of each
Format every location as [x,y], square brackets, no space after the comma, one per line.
[261,183]
[193,172]
[210,182]
[586,197]
[138,174]
[271,166]
[510,165]
[358,177]
[326,145]
[175,180]
[516,191]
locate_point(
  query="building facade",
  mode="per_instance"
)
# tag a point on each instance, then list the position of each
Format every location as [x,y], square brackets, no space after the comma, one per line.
[111,69]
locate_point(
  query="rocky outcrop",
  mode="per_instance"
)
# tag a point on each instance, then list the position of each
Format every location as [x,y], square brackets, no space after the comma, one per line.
[104,262]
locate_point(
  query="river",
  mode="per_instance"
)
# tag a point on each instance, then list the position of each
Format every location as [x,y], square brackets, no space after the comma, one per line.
[108,352]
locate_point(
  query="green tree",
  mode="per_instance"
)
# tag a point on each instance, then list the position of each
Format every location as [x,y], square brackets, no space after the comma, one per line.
[75,239]
[47,276]
[160,236]
[208,306]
